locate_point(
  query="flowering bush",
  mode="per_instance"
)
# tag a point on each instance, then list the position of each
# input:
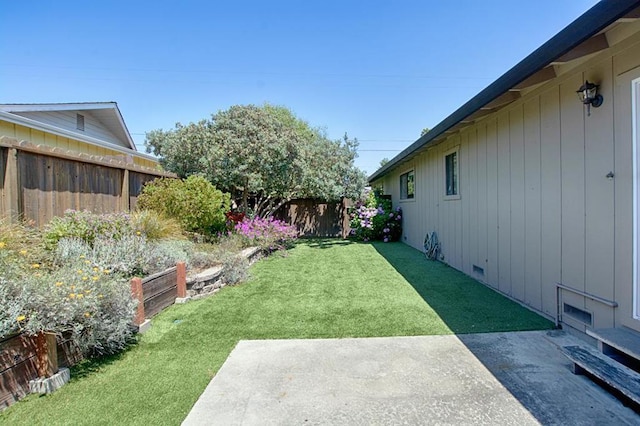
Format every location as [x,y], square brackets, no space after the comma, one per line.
[90,304]
[270,234]
[375,219]
[128,256]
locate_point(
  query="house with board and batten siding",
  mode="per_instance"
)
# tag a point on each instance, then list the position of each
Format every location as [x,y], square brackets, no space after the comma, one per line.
[533,192]
[93,128]
[80,156]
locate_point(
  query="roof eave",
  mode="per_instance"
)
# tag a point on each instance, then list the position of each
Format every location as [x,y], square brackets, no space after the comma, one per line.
[587,25]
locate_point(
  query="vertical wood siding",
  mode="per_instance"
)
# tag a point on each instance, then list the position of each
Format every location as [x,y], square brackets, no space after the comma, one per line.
[536,207]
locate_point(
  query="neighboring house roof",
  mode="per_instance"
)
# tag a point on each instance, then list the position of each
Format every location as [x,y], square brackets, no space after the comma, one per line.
[583,37]
[114,135]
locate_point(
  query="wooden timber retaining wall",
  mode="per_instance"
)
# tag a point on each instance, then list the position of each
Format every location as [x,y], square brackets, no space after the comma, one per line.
[19,361]
[38,182]
[316,218]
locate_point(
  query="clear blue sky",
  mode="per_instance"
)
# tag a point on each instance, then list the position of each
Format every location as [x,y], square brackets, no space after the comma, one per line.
[378,70]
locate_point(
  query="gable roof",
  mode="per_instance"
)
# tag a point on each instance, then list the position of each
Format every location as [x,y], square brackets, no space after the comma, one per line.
[107,113]
[582,37]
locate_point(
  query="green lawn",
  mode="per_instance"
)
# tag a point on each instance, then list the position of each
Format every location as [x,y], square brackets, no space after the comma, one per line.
[322,289]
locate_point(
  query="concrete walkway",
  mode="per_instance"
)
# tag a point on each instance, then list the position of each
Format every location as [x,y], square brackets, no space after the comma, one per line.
[498,378]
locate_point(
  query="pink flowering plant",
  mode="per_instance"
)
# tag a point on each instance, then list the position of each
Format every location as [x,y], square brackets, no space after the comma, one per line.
[375,219]
[268,233]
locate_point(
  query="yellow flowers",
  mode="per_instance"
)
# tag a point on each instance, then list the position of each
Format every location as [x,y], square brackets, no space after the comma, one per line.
[88,262]
[106,271]
[80,271]
[72,295]
[2,244]
[95,269]
[95,278]
[59,283]
[23,252]
[87,314]
[85,278]
[21,318]
[35,265]
[79,295]
[138,233]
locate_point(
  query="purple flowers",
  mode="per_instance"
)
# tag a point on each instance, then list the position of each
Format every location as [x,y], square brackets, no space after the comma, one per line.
[269,233]
[376,223]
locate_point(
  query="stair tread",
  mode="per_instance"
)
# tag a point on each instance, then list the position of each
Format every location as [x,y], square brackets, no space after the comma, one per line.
[622,339]
[606,369]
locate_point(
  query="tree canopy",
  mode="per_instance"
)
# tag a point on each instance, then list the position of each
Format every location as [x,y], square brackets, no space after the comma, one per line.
[263,155]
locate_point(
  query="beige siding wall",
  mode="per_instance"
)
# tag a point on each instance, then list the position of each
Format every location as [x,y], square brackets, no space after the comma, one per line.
[536,207]
[38,137]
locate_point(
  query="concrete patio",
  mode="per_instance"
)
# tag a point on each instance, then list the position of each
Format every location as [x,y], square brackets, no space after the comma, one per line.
[517,378]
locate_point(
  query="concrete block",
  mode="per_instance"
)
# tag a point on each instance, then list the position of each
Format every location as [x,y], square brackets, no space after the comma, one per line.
[50,384]
[146,325]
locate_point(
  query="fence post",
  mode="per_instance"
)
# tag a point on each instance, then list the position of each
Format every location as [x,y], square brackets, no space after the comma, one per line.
[136,290]
[181,279]
[46,354]
[12,189]
[124,193]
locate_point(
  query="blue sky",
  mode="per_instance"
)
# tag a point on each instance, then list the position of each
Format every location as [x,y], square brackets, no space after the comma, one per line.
[378,70]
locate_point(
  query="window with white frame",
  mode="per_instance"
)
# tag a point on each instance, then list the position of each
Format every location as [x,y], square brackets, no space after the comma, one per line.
[407,186]
[451,174]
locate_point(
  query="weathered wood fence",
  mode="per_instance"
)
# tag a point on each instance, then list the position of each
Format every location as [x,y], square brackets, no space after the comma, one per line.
[39,182]
[316,218]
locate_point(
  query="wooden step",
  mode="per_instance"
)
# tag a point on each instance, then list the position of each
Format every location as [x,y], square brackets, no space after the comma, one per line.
[623,379]
[621,339]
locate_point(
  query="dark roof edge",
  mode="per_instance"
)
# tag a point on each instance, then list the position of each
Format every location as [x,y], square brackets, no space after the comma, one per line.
[588,24]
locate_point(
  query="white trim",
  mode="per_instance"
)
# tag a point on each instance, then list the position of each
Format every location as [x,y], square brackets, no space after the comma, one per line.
[27,122]
[88,106]
[635,93]
[456,150]
[406,172]
[57,107]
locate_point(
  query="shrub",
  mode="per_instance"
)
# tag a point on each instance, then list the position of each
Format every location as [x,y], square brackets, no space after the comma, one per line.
[236,269]
[86,226]
[155,226]
[375,219]
[22,243]
[166,253]
[194,202]
[270,234]
[91,305]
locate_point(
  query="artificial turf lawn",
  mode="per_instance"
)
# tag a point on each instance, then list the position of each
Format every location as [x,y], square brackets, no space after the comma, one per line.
[321,289]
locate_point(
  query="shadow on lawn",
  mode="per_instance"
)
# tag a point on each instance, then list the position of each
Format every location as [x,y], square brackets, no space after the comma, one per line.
[325,243]
[464,304]
[468,307]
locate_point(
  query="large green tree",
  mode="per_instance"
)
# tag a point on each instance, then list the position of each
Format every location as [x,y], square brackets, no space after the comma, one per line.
[263,155]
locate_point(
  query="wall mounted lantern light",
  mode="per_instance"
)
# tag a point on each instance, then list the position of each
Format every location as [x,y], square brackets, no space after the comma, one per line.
[588,94]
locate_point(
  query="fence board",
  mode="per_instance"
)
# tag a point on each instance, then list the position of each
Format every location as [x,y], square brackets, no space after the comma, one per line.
[50,181]
[159,291]
[314,218]
[17,367]
[136,182]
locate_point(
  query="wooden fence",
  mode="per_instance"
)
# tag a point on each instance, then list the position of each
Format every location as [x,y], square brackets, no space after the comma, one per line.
[315,218]
[40,182]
